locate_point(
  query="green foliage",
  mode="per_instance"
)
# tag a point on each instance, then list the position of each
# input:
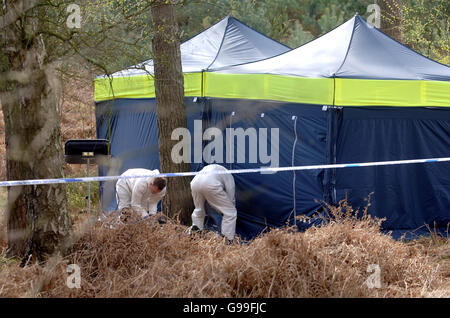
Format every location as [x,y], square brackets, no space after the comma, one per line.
[425,23]
[77,193]
[121,29]
[426,26]
[299,36]
[332,17]
[195,16]
[292,22]
[8,262]
[117,33]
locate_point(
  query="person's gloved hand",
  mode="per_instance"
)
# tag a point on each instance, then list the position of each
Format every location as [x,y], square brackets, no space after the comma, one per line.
[144,214]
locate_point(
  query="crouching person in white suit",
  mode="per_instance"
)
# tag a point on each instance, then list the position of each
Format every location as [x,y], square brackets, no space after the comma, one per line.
[219,191]
[140,194]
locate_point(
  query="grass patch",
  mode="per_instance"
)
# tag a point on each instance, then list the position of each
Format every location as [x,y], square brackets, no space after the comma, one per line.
[149,259]
[77,193]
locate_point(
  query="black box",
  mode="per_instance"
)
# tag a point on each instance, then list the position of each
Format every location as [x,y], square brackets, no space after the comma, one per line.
[79,150]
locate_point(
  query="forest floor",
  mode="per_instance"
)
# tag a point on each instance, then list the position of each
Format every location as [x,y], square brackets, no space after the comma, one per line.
[346,257]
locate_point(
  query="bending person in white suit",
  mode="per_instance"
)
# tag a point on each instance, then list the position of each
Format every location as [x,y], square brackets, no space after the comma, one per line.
[140,194]
[219,191]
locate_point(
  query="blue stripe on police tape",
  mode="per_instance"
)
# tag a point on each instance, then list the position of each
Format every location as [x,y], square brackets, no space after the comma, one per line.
[236,171]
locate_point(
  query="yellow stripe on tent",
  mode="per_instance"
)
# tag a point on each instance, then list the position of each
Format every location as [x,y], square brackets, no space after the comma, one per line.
[270,87]
[348,92]
[407,93]
[140,86]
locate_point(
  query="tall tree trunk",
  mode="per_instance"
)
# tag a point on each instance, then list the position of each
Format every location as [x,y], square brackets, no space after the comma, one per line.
[37,217]
[391,18]
[171,109]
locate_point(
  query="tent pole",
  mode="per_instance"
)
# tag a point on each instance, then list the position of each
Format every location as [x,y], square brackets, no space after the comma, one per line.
[89,187]
[294,118]
[334,142]
[202,84]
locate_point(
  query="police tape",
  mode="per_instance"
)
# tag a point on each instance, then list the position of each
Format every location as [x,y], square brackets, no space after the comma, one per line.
[265,170]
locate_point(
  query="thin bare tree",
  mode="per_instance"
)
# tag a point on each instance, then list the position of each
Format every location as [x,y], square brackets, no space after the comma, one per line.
[171,108]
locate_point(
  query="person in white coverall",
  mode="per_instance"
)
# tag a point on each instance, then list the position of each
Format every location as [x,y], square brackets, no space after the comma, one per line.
[219,191]
[140,194]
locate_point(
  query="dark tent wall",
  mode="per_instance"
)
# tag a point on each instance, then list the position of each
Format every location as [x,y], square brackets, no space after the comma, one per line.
[408,196]
[263,200]
[273,200]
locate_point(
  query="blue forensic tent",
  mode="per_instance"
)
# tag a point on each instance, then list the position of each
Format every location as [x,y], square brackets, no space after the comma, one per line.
[381,101]
[126,105]
[352,95]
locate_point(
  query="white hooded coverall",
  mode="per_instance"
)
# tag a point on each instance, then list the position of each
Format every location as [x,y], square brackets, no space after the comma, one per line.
[135,192]
[219,191]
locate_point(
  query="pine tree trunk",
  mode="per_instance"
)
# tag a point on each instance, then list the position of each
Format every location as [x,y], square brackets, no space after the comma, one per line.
[171,109]
[37,217]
